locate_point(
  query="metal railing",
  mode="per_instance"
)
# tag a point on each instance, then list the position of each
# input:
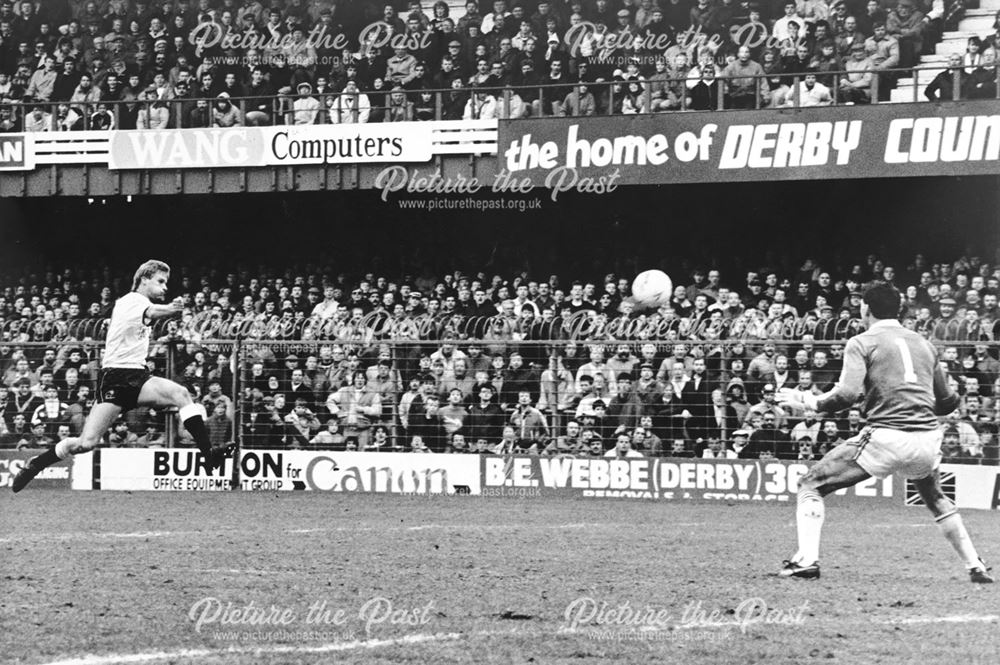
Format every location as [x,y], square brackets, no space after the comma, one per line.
[671,94]
[584,326]
[538,395]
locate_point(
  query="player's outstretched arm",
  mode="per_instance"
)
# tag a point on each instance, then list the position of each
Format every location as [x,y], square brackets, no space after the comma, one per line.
[844,394]
[175,308]
[946,400]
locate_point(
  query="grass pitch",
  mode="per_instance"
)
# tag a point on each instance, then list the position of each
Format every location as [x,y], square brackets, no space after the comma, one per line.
[94,578]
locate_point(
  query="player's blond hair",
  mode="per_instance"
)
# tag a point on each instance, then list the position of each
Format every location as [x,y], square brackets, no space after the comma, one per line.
[148,269]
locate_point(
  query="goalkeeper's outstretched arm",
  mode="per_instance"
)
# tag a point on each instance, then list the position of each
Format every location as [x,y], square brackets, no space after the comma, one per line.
[946,400]
[845,393]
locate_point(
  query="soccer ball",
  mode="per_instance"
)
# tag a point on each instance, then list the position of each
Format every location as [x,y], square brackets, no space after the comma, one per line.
[652,288]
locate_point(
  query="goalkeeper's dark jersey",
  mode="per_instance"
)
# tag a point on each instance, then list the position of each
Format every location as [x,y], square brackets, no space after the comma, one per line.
[897,371]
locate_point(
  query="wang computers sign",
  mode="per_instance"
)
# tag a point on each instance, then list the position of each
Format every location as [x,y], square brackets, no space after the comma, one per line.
[245,147]
[814,143]
[15,153]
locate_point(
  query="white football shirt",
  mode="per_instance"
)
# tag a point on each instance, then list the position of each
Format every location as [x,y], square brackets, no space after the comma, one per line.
[128,334]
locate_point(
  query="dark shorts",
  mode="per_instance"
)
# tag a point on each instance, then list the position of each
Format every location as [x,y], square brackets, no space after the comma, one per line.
[121,386]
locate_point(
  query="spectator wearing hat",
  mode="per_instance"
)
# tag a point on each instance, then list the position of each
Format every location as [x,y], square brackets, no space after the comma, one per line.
[306,106]
[947,324]
[855,86]
[648,388]
[768,404]
[225,113]
[153,113]
[398,108]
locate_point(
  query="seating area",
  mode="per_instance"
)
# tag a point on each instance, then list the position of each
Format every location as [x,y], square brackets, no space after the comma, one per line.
[224,63]
[980,22]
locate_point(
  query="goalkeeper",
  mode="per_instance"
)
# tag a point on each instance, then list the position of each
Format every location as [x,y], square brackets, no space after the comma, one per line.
[904,389]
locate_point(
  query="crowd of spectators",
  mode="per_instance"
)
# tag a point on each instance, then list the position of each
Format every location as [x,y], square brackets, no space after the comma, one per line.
[98,64]
[496,364]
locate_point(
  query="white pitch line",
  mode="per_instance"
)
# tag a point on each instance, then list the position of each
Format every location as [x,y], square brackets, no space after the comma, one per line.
[957,618]
[100,534]
[238,571]
[420,638]
[333,647]
[78,535]
[154,656]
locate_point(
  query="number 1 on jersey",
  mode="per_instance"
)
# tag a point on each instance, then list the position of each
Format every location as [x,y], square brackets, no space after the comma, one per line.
[909,375]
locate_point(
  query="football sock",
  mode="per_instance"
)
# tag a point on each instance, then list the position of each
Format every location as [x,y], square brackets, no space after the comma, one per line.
[50,457]
[809,520]
[953,528]
[193,417]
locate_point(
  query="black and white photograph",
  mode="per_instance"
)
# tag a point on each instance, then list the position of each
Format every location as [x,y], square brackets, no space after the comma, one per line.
[499,331]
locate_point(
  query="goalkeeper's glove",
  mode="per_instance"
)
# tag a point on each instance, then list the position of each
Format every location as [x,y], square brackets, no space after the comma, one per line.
[797,400]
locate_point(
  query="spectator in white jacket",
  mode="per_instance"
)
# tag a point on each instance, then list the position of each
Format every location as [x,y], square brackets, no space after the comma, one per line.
[481,106]
[810,93]
[305,107]
[350,107]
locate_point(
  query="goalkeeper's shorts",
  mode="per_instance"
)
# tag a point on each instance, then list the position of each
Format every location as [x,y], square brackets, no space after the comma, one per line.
[882,452]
